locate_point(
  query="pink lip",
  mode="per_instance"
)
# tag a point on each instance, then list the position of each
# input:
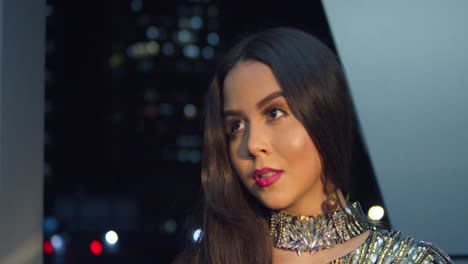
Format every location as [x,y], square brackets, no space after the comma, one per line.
[267,181]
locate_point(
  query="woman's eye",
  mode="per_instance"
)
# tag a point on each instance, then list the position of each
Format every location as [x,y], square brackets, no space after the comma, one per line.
[275,113]
[235,126]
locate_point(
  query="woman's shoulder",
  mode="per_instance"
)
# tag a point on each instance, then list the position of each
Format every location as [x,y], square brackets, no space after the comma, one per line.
[383,246]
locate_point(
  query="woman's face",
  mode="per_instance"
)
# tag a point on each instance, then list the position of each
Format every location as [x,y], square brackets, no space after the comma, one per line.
[263,133]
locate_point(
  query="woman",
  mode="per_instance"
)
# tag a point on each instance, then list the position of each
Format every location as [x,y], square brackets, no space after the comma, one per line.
[278,130]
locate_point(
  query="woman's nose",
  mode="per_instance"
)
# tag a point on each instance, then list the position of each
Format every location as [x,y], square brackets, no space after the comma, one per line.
[257,140]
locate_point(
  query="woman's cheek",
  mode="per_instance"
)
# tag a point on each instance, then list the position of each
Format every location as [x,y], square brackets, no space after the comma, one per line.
[290,139]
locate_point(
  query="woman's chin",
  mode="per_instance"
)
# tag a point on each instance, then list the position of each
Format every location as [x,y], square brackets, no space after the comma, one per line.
[274,203]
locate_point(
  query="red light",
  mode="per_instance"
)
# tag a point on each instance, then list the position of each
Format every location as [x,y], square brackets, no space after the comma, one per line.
[95,247]
[48,248]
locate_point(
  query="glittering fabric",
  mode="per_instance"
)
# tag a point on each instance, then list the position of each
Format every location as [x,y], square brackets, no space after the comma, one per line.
[311,234]
[384,247]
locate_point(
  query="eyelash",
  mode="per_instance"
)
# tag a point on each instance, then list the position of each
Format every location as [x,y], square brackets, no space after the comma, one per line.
[265,112]
[270,109]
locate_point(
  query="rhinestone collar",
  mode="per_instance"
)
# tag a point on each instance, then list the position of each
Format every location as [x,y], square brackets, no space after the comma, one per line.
[314,233]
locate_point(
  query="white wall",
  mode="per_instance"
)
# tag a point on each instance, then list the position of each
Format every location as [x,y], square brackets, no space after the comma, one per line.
[22,42]
[407,66]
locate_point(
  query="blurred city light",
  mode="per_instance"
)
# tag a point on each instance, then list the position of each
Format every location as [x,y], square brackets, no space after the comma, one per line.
[50,224]
[143,49]
[190,111]
[197,234]
[133,50]
[152,32]
[191,51]
[376,212]
[208,53]
[111,237]
[116,60]
[189,141]
[195,156]
[183,155]
[95,247]
[196,22]
[152,48]
[136,5]
[185,36]
[48,247]
[212,38]
[170,226]
[58,243]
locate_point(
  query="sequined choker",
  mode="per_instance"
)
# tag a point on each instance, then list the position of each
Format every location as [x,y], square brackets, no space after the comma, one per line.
[314,233]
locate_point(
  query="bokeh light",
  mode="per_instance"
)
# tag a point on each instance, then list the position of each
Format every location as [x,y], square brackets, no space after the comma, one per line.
[185,36]
[191,51]
[208,53]
[190,111]
[197,235]
[212,38]
[136,5]
[169,226]
[57,242]
[95,247]
[152,32]
[376,213]
[196,22]
[111,237]
[48,247]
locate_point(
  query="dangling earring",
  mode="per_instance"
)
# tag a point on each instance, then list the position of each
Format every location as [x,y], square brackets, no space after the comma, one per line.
[331,202]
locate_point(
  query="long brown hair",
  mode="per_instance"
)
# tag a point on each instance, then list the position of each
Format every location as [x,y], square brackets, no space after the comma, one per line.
[235,224]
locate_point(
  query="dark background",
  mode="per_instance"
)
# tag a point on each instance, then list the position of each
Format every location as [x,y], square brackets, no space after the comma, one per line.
[124,99]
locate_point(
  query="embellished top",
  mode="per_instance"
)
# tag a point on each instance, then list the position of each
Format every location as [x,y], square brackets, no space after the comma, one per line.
[311,234]
[384,247]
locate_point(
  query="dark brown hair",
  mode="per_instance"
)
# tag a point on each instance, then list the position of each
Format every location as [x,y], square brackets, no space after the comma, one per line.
[235,224]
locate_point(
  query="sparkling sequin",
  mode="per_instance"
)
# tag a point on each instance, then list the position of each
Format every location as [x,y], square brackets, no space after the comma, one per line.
[312,234]
[306,234]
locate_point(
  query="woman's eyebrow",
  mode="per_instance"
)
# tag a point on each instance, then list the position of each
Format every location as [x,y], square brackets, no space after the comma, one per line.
[258,105]
[232,113]
[268,98]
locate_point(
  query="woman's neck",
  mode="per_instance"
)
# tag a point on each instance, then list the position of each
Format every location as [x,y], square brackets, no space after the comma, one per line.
[317,207]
